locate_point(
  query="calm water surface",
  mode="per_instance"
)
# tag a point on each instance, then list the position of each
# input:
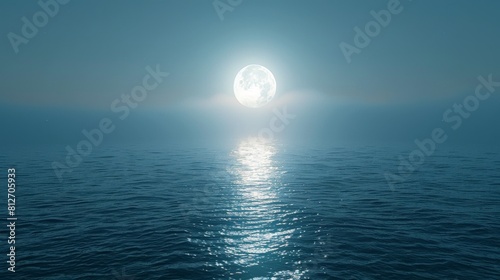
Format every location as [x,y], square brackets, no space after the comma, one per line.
[257,211]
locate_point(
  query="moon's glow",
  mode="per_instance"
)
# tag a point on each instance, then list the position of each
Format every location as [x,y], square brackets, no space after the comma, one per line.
[254,86]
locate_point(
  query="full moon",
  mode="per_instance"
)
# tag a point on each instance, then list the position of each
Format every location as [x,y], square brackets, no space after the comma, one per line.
[254,86]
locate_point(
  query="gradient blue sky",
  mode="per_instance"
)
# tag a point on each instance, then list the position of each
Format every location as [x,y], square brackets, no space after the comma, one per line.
[396,89]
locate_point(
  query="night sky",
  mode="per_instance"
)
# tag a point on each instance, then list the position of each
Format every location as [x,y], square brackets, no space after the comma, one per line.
[395,89]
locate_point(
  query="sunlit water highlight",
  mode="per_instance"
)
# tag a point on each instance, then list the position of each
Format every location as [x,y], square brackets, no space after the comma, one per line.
[257,211]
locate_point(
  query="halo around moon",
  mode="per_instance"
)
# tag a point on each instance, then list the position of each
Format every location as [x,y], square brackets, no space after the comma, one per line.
[254,86]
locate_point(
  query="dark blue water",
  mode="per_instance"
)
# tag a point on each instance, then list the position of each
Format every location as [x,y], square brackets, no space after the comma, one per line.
[256,211]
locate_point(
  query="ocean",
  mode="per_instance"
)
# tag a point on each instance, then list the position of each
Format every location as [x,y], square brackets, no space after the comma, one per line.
[255,211]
